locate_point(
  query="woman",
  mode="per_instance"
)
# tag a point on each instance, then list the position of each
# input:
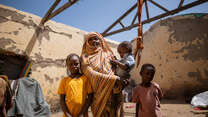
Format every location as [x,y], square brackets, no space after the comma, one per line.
[96,56]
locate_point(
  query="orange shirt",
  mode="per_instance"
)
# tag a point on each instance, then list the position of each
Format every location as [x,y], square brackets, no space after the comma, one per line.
[76,90]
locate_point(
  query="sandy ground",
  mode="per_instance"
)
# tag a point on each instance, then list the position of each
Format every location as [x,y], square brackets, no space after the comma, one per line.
[170,108]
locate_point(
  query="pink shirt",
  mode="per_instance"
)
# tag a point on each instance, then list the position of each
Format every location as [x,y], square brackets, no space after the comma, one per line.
[148,99]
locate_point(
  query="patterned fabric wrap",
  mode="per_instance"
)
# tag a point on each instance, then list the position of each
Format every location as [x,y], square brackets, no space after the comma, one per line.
[96,66]
[6,97]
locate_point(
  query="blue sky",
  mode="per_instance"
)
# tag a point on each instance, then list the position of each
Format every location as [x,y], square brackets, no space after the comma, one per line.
[97,15]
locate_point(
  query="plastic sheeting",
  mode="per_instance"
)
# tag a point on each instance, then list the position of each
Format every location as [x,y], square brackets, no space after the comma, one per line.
[200,100]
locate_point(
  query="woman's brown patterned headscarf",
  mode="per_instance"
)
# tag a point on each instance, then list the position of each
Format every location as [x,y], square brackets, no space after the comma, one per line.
[96,66]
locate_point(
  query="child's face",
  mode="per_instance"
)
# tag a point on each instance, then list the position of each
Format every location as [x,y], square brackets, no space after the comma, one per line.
[122,51]
[73,65]
[94,41]
[147,75]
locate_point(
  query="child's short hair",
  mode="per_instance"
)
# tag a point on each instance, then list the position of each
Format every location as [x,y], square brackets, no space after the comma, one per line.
[70,56]
[126,44]
[147,65]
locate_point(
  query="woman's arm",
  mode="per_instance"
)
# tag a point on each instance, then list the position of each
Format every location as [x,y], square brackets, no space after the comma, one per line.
[88,71]
[63,105]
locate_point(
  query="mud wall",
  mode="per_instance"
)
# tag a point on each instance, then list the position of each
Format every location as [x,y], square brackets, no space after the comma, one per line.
[49,53]
[177,47]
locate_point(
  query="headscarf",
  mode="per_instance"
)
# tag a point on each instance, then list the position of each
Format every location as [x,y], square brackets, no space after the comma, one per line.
[5,78]
[96,66]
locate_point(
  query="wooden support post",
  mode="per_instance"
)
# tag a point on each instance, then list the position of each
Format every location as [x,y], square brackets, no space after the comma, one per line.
[147,10]
[119,19]
[133,21]
[172,12]
[139,40]
[32,41]
[180,4]
[62,8]
[156,4]
[121,24]
[39,29]
[47,17]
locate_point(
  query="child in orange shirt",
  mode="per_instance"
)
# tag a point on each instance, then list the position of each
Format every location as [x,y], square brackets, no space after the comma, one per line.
[75,90]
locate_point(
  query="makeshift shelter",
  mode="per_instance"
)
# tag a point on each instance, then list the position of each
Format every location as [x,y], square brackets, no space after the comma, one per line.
[14,65]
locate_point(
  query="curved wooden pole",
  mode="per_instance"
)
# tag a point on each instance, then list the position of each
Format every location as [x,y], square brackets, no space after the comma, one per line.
[139,40]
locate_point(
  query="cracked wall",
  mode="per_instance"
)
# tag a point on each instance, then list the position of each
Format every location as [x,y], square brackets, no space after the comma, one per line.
[177,46]
[55,43]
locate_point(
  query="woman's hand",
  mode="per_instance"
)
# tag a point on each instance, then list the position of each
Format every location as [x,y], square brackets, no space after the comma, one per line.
[114,62]
[118,78]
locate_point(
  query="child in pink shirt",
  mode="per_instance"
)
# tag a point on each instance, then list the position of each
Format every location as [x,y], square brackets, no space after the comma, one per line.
[147,95]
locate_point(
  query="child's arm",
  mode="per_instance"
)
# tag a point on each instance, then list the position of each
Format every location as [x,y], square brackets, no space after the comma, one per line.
[121,65]
[87,104]
[160,93]
[63,105]
[135,99]
[128,64]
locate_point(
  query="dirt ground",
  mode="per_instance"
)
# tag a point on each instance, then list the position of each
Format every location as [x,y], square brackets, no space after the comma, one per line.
[170,108]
